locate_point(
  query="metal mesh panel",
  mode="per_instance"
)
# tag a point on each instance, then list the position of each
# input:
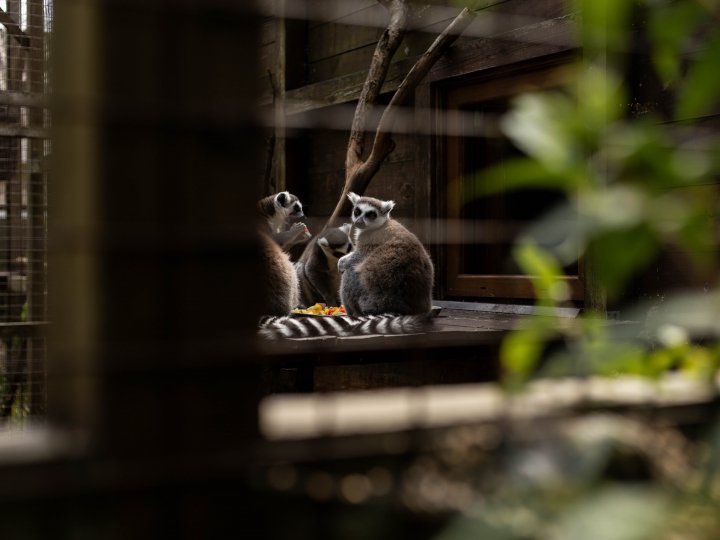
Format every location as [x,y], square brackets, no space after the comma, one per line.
[25,27]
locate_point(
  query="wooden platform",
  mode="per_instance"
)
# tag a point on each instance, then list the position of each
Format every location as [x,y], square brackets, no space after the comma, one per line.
[460,347]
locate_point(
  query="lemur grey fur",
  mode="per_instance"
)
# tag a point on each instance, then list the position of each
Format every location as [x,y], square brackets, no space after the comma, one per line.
[317,269]
[278,279]
[341,326]
[389,270]
[277,210]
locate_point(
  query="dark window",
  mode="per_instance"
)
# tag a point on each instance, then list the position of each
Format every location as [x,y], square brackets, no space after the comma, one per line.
[482,229]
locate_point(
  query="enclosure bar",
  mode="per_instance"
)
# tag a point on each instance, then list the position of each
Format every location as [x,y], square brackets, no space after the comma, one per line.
[280,156]
[22,99]
[8,130]
[37,207]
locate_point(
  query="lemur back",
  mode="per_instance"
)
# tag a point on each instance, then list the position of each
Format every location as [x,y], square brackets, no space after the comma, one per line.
[278,281]
[389,270]
[317,270]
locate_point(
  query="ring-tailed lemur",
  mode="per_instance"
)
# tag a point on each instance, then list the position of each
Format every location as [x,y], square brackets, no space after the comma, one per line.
[279,280]
[317,268]
[389,270]
[277,210]
[341,326]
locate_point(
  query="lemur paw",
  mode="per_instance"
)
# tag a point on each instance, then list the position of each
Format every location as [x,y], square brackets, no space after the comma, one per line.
[300,231]
[343,263]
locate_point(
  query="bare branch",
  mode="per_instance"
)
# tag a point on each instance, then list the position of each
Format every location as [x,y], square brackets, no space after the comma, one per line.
[416,74]
[384,51]
[358,174]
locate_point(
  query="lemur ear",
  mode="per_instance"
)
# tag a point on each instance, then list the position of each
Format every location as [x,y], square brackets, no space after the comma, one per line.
[387,206]
[354,197]
[323,242]
[282,198]
[345,227]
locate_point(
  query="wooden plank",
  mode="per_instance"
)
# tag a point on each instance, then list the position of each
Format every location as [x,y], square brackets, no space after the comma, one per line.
[328,148]
[334,39]
[359,59]
[546,38]
[505,286]
[337,50]
[333,10]
[394,181]
[268,31]
[266,58]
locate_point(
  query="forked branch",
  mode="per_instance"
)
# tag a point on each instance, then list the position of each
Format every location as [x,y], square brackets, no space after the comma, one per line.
[359,173]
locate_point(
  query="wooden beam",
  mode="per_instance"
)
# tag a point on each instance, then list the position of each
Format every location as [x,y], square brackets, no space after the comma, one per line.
[13,28]
[542,39]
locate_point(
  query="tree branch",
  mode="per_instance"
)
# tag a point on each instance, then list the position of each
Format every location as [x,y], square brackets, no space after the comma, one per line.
[385,49]
[358,174]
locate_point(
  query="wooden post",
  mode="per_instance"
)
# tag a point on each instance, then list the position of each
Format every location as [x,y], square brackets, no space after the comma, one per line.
[153,240]
[280,155]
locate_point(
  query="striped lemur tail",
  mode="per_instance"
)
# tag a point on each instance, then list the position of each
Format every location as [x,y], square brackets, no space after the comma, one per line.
[341,326]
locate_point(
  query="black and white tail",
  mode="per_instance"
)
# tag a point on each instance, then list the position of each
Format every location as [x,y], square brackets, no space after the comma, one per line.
[341,326]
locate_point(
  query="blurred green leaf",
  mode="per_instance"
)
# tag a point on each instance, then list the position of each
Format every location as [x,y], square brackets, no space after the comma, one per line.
[517,174]
[615,513]
[539,125]
[521,350]
[700,91]
[621,254]
[544,271]
[600,99]
[669,27]
[604,26]
[613,358]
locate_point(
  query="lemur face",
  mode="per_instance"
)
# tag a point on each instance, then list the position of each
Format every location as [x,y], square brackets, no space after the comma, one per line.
[369,213]
[289,205]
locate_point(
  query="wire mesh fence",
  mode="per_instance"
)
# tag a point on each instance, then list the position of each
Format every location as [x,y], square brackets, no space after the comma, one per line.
[25,27]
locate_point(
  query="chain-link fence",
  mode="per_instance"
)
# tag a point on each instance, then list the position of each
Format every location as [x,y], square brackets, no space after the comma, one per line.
[25,27]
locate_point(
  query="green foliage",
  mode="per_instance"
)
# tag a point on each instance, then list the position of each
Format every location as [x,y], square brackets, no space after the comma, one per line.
[699,92]
[633,185]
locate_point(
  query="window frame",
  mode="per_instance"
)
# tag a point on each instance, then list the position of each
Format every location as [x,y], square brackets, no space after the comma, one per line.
[505,83]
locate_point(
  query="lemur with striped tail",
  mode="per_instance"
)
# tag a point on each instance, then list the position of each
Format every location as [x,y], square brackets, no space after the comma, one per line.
[386,281]
[389,270]
[341,326]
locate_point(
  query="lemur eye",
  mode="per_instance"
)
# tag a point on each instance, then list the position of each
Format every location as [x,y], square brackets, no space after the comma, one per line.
[372,214]
[356,212]
[297,207]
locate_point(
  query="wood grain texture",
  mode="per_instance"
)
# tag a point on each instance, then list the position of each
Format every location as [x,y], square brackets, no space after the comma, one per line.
[469,56]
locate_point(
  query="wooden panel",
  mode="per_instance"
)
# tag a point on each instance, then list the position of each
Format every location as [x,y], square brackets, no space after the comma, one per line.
[504,286]
[337,50]
[394,181]
[266,58]
[334,39]
[267,31]
[348,11]
[470,56]
[328,148]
